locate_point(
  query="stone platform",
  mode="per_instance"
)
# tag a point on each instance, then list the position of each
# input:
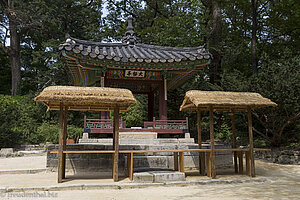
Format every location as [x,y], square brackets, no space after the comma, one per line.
[162,160]
[139,141]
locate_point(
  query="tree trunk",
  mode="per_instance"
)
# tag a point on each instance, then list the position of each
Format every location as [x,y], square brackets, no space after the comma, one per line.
[214,40]
[14,51]
[254,38]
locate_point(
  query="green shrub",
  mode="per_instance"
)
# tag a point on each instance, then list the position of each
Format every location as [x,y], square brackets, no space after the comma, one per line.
[19,118]
[48,132]
[24,121]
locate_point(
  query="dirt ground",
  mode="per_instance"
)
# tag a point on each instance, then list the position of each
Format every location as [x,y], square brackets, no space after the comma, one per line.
[284,185]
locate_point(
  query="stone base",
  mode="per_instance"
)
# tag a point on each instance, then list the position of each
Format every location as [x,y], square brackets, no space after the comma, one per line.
[139,141]
[162,160]
[137,135]
[280,156]
[158,176]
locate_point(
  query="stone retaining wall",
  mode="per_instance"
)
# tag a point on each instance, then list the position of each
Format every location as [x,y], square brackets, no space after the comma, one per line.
[103,162]
[280,156]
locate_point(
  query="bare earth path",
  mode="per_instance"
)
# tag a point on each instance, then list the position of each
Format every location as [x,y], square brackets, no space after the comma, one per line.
[26,162]
[286,185]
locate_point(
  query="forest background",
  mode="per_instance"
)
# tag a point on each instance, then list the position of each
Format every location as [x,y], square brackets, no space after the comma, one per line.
[255,48]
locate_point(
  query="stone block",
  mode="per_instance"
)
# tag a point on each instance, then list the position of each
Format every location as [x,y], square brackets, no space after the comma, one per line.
[85,136]
[150,161]
[186,140]
[78,164]
[167,176]
[142,177]
[138,135]
[187,135]
[6,151]
[52,163]
[73,156]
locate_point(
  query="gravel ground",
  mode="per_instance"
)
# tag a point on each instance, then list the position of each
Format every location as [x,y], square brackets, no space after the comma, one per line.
[286,185]
[25,162]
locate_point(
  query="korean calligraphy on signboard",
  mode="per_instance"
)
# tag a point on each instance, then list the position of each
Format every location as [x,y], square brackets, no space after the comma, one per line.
[134,73]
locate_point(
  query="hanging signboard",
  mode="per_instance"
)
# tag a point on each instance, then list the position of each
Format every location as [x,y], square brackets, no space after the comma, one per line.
[134,73]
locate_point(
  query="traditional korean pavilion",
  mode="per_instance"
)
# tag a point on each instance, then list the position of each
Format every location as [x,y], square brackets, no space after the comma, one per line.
[142,68]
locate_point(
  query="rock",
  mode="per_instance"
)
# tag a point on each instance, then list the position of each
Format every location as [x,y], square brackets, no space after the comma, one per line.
[6,152]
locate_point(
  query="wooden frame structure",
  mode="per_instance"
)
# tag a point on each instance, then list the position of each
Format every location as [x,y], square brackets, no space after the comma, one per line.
[224,101]
[64,98]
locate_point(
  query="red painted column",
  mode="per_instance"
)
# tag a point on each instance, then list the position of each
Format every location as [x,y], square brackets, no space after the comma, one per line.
[162,102]
[150,106]
[104,114]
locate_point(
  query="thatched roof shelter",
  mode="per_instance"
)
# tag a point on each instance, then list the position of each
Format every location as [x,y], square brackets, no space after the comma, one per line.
[219,100]
[64,98]
[225,101]
[86,98]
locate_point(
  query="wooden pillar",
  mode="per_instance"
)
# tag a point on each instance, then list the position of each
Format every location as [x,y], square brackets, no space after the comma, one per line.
[208,164]
[176,161]
[240,156]
[234,143]
[212,142]
[248,169]
[130,165]
[150,106]
[201,155]
[116,144]
[84,121]
[104,114]
[64,141]
[162,102]
[60,143]
[181,161]
[252,164]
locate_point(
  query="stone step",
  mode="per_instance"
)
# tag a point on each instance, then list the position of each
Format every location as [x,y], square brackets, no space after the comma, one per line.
[138,135]
[124,141]
[158,176]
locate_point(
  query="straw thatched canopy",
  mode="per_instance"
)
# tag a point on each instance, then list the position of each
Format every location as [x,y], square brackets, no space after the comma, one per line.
[86,98]
[226,101]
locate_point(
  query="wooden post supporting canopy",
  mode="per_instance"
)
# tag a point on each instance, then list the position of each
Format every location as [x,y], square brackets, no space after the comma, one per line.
[176,161]
[208,163]
[64,142]
[234,143]
[116,144]
[212,142]
[130,165]
[252,164]
[240,156]
[181,161]
[201,154]
[60,143]
[248,171]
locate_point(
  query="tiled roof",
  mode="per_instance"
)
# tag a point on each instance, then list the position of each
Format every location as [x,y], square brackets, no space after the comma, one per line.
[126,52]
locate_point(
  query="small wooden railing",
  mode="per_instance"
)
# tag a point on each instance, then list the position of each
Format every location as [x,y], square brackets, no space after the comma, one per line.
[167,124]
[95,125]
[105,126]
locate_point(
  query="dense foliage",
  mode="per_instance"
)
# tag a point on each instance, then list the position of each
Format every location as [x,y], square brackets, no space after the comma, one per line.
[225,26]
[24,121]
